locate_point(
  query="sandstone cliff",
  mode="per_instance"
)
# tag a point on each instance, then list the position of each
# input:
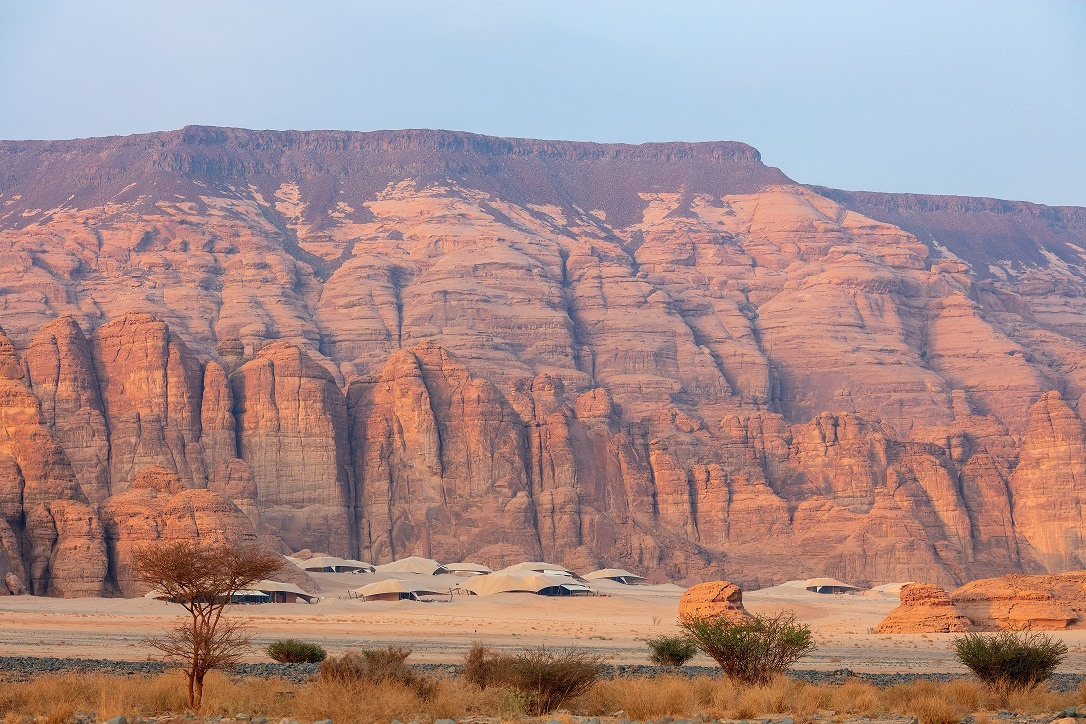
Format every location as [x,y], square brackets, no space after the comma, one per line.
[668,357]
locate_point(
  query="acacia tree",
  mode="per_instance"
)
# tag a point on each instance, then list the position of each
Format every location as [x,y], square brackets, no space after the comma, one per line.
[203,578]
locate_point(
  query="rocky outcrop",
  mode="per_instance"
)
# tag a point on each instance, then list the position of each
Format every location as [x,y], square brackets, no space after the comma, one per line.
[666,357]
[713,600]
[292,434]
[50,541]
[1017,602]
[925,608]
[157,508]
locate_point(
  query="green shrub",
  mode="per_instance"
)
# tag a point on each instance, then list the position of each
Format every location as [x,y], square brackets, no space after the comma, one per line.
[1010,660]
[292,651]
[754,650]
[671,650]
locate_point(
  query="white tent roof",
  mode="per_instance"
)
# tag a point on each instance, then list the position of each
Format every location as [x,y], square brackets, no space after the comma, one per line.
[413,564]
[319,562]
[538,567]
[277,586]
[830,582]
[519,581]
[611,573]
[466,568]
[393,585]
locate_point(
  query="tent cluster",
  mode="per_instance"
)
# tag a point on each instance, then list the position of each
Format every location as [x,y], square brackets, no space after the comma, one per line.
[547,579]
[260,592]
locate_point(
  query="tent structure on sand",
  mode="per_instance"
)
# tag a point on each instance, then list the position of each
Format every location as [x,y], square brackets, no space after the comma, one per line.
[468,569]
[331,564]
[526,582]
[550,569]
[828,585]
[614,574]
[413,564]
[393,589]
[260,592]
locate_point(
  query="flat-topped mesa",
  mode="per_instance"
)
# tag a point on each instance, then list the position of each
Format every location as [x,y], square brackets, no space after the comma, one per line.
[665,357]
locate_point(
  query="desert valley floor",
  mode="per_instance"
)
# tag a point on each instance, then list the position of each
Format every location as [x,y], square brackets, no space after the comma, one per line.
[614,625]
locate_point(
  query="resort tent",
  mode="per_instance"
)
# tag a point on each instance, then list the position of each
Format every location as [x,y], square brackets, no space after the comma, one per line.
[393,589]
[550,569]
[331,564]
[526,582]
[260,592]
[470,569]
[280,592]
[614,574]
[413,564]
[828,585]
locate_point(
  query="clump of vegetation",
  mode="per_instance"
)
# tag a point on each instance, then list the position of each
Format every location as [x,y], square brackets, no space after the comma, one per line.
[374,666]
[546,679]
[754,650]
[1010,660]
[293,651]
[483,665]
[671,650]
[543,680]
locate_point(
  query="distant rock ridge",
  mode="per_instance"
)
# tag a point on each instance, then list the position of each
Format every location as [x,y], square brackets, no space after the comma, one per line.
[666,357]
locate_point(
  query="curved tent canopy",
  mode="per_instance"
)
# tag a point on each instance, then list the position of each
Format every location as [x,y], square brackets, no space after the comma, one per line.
[469,568]
[525,582]
[393,589]
[413,564]
[332,564]
[259,592]
[550,569]
[828,585]
[615,574]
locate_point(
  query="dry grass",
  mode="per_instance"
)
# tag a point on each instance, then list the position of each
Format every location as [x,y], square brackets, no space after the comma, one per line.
[56,698]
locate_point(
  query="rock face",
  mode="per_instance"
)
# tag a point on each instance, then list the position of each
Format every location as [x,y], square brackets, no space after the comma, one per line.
[713,600]
[925,608]
[1016,602]
[666,357]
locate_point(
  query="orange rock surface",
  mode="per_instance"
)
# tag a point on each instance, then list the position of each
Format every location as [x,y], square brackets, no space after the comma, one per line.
[1016,602]
[713,600]
[924,608]
[668,357]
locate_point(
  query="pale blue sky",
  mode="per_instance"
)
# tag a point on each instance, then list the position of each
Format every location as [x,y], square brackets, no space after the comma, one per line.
[977,98]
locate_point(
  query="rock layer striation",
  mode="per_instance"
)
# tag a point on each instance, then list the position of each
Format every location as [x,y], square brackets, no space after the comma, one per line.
[667,357]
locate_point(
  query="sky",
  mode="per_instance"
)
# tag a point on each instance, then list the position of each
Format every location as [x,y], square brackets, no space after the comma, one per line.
[978,98]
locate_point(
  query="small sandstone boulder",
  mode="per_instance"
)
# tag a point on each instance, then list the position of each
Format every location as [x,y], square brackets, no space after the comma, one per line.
[716,599]
[925,608]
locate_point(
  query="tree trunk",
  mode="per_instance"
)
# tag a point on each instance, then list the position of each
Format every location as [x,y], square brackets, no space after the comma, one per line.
[193,702]
[198,681]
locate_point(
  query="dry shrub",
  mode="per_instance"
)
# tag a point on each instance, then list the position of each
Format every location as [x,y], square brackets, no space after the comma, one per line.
[856,697]
[482,665]
[644,699]
[375,666]
[355,701]
[935,710]
[543,680]
[547,679]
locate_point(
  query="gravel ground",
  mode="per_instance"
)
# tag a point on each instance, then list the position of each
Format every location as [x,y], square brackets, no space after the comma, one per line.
[21,668]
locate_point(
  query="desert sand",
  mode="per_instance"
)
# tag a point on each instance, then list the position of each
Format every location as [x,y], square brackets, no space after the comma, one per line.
[614,624]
